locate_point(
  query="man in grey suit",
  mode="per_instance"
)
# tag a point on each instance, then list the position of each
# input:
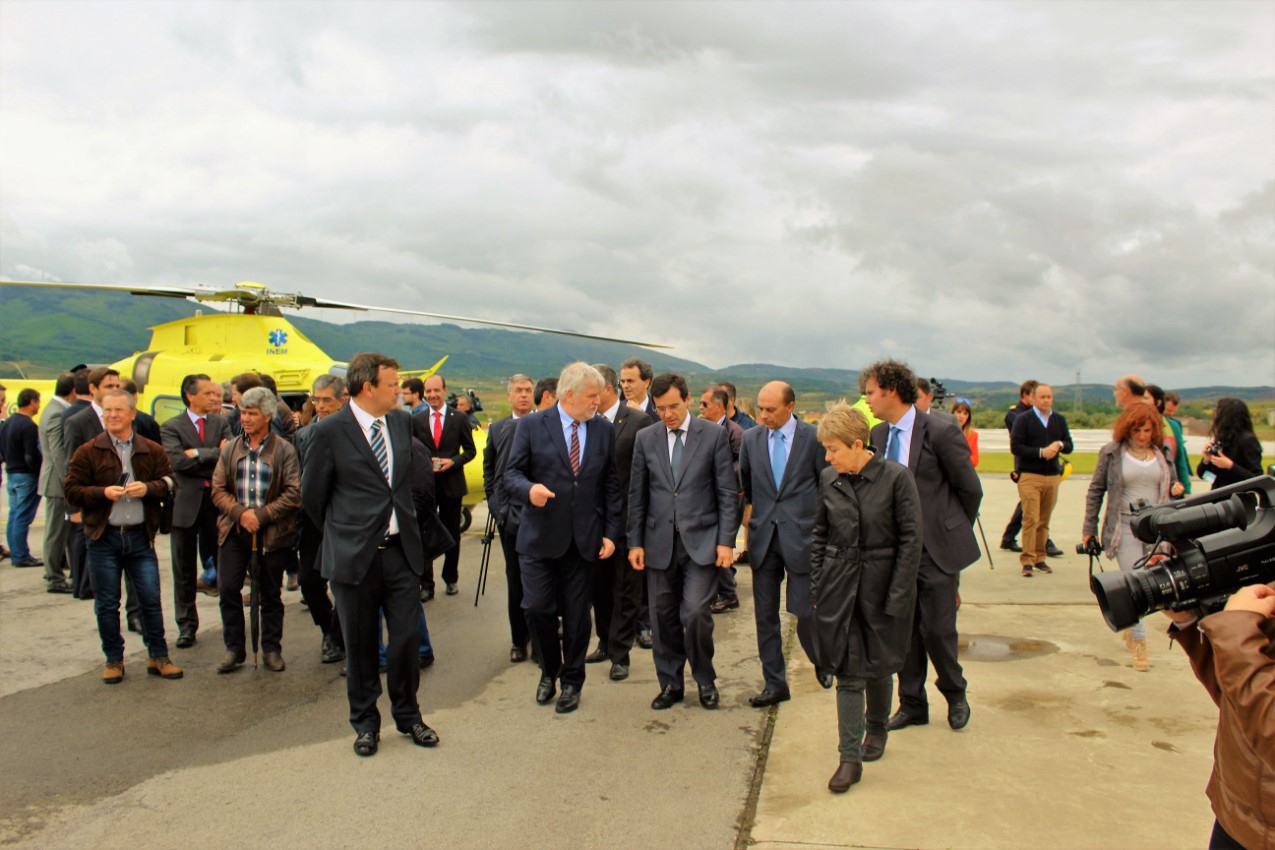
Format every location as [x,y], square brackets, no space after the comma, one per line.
[192,440]
[683,496]
[57,528]
[357,487]
[779,466]
[939,458]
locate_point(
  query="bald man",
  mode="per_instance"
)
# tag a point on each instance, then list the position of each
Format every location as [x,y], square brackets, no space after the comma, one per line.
[1130,389]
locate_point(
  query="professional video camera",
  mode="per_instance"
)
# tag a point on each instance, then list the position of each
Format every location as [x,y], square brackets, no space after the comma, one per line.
[940,393]
[1223,540]
[474,401]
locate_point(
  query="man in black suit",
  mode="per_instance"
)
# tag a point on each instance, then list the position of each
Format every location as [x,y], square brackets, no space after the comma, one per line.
[617,587]
[779,468]
[635,380]
[81,423]
[939,458]
[357,487]
[683,500]
[500,437]
[193,440]
[713,403]
[446,433]
[562,469]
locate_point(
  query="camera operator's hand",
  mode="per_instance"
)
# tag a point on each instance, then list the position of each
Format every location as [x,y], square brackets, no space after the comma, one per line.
[1182,618]
[1258,598]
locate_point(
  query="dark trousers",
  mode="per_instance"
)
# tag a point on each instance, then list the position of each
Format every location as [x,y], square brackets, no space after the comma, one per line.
[861,702]
[602,598]
[628,589]
[681,622]
[553,587]
[129,553]
[1015,524]
[933,636]
[449,516]
[185,544]
[391,586]
[314,588]
[81,579]
[519,631]
[768,576]
[233,560]
[726,585]
[1222,840]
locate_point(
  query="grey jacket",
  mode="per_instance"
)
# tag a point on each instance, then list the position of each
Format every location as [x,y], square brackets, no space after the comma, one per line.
[53,446]
[1108,479]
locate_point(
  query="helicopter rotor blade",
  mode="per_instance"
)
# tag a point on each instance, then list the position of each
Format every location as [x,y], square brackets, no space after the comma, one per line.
[163,292]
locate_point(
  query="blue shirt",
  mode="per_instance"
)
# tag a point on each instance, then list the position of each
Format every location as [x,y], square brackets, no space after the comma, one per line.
[789,430]
[904,436]
[1043,417]
[566,432]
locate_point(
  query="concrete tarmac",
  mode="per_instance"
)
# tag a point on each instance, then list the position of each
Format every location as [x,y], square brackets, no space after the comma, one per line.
[1068,746]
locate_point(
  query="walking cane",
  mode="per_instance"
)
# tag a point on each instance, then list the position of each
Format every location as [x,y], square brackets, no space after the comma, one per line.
[978,518]
[489,532]
[254,604]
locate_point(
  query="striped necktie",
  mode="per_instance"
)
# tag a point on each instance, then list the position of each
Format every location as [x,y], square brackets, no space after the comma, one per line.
[378,449]
[575,448]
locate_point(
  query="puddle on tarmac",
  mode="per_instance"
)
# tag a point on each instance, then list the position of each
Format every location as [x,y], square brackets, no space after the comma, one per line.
[997,648]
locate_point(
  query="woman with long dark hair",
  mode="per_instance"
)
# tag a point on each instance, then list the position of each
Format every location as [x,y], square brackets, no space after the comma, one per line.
[1234,453]
[965,418]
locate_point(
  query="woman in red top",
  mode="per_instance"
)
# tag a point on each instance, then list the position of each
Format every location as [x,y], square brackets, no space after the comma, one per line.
[965,417]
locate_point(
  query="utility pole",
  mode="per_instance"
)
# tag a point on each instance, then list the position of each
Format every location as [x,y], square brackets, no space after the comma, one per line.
[1079,393]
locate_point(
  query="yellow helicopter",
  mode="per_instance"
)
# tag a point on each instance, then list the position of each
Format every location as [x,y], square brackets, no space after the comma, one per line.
[255,337]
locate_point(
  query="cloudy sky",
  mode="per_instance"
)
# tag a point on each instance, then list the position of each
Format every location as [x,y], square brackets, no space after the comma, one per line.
[988,190]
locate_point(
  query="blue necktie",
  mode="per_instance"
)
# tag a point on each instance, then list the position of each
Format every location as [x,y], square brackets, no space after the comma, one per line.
[895,450]
[778,457]
[378,449]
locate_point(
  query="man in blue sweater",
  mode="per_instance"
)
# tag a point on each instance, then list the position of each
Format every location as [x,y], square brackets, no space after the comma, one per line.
[1038,437]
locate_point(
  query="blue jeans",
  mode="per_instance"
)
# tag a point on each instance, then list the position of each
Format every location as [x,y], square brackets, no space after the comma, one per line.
[112,556]
[426,649]
[23,500]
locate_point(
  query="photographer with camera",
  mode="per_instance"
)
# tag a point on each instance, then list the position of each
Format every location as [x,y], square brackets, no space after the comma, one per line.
[1234,453]
[1233,655]
[1131,469]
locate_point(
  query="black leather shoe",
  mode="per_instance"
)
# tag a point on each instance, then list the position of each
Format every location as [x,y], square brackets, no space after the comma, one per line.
[273,662]
[767,698]
[330,652]
[644,639]
[426,661]
[1053,551]
[826,680]
[619,672]
[421,735]
[848,773]
[668,698]
[721,606]
[569,701]
[708,696]
[365,743]
[134,625]
[29,562]
[545,690]
[231,661]
[597,656]
[427,594]
[903,719]
[452,589]
[958,714]
[517,654]
[58,588]
[1011,546]
[874,745]
[186,639]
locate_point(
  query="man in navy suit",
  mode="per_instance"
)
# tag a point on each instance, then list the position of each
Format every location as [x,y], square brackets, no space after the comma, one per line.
[357,487]
[562,469]
[683,515]
[939,458]
[779,466]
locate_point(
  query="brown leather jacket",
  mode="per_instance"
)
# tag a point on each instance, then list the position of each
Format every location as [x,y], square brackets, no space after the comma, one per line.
[283,496]
[1233,655]
[95,466]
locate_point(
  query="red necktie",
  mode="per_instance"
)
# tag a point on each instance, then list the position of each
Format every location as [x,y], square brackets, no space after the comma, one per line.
[199,424]
[438,430]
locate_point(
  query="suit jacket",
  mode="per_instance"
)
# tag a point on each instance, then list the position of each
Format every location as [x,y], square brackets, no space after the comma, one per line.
[499,437]
[434,536]
[585,508]
[194,474]
[783,516]
[629,421]
[700,504]
[943,416]
[80,425]
[344,493]
[53,447]
[146,425]
[457,444]
[950,491]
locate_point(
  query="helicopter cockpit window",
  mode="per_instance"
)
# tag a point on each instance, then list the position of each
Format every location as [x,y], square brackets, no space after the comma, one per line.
[337,369]
[165,407]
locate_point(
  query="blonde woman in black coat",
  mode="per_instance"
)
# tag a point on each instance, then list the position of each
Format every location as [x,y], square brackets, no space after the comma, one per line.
[864,561]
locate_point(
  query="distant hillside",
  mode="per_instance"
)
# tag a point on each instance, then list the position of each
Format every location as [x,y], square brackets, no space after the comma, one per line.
[45,331]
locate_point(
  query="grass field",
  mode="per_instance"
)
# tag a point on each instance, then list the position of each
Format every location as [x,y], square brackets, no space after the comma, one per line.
[1082,463]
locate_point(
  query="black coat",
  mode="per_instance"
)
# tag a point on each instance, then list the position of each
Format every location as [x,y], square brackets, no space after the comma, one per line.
[863,566]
